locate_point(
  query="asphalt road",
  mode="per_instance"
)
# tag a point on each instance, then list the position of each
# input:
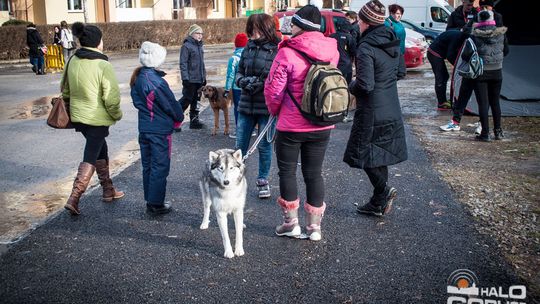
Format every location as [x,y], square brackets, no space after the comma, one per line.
[38,163]
[116,253]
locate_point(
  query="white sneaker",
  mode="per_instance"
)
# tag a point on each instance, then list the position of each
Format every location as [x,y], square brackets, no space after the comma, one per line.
[478,129]
[451,126]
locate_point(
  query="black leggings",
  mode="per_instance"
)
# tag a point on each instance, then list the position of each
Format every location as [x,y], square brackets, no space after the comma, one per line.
[311,146]
[378,177]
[487,89]
[96,146]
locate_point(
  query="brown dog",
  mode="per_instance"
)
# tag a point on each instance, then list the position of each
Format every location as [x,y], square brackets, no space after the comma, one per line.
[218,102]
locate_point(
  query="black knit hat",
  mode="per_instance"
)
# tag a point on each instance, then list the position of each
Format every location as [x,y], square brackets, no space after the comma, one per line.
[308,18]
[89,35]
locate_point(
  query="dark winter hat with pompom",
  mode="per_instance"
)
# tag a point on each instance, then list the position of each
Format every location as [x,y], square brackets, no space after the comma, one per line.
[89,35]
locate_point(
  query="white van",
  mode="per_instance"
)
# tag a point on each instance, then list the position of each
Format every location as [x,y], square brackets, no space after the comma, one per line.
[426,13]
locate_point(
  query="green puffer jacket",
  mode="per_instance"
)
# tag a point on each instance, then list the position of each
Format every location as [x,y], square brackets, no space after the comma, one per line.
[93,92]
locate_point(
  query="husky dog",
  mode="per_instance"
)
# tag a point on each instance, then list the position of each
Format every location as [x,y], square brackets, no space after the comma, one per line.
[224,187]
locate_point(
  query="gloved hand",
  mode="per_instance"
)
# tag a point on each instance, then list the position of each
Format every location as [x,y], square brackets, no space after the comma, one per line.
[204,82]
[226,94]
[243,82]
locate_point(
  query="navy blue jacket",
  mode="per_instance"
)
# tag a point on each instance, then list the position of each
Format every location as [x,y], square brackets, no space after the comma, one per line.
[448,44]
[158,108]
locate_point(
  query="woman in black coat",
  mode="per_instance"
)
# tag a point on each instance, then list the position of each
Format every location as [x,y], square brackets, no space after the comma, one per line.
[34,42]
[253,69]
[377,137]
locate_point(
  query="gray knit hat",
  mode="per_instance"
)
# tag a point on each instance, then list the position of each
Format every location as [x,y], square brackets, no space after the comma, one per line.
[152,55]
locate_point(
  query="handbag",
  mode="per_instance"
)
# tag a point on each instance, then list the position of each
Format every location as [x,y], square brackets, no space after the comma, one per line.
[59,116]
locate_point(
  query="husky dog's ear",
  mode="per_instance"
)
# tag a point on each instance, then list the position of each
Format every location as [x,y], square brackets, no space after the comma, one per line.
[238,155]
[212,156]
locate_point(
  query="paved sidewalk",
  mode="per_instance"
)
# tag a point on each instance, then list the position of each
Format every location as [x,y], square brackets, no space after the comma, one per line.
[116,253]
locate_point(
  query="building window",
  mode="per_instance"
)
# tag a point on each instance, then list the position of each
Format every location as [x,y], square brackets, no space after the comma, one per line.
[124,3]
[74,5]
[214,5]
[180,4]
[4,5]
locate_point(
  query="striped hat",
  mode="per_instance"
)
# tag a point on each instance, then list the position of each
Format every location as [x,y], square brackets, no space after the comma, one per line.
[373,12]
[307,18]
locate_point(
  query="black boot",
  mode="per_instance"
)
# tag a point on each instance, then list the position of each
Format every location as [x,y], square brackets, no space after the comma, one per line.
[158,209]
[498,134]
[195,123]
[379,205]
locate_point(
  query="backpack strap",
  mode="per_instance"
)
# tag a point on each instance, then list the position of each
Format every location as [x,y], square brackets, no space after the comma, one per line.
[306,57]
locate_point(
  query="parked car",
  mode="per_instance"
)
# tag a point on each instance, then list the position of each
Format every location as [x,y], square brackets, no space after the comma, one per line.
[429,33]
[427,13]
[415,49]
[328,20]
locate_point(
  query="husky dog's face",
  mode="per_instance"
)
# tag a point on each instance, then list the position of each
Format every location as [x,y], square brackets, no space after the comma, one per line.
[226,166]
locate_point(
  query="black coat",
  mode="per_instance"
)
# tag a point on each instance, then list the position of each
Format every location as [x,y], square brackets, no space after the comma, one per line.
[448,44]
[377,136]
[192,61]
[34,41]
[458,18]
[346,46]
[253,68]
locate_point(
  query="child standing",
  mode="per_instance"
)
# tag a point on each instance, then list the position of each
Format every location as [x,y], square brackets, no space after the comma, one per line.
[159,114]
[240,42]
[193,73]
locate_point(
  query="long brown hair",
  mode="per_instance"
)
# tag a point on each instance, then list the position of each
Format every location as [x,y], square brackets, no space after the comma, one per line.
[264,25]
[134,76]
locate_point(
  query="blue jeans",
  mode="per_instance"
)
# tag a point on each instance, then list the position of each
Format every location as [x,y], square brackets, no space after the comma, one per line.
[246,124]
[236,100]
[38,62]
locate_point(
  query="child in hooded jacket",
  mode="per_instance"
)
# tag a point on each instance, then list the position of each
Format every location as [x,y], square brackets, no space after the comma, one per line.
[159,114]
[240,41]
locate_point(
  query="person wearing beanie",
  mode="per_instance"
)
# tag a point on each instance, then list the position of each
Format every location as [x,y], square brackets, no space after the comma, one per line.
[492,46]
[240,41]
[295,135]
[488,5]
[252,71]
[377,138]
[159,114]
[94,103]
[35,42]
[193,74]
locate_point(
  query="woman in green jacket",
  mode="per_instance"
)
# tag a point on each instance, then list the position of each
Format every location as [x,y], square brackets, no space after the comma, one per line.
[94,96]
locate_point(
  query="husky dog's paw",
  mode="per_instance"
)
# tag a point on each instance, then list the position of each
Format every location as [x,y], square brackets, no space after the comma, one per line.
[229,254]
[239,252]
[204,226]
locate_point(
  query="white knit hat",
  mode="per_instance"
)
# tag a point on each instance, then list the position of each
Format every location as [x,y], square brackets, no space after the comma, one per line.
[152,55]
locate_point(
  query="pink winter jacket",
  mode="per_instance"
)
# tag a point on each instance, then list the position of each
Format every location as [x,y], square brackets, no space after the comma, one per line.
[289,71]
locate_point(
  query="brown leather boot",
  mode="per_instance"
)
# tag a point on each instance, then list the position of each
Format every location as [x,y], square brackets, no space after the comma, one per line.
[84,174]
[109,193]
